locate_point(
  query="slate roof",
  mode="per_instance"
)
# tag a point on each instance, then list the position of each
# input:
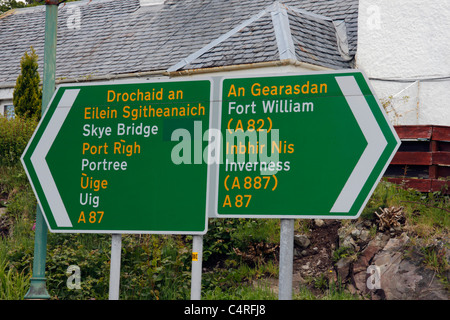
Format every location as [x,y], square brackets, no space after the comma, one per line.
[121,37]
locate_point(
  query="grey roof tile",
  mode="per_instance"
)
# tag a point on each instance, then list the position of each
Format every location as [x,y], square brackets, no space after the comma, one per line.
[117,36]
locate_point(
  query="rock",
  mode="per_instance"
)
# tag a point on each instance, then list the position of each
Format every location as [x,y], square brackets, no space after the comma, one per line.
[351,289]
[348,242]
[342,233]
[364,235]
[360,266]
[355,233]
[306,266]
[2,211]
[381,240]
[343,267]
[319,222]
[300,253]
[367,223]
[364,259]
[405,277]
[301,241]
[360,279]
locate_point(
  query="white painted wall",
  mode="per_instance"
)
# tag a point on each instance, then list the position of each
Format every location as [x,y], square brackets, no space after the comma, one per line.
[6,95]
[407,39]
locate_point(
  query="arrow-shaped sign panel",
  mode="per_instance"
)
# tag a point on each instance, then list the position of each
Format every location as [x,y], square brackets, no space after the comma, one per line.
[376,143]
[120,158]
[301,146]
[39,162]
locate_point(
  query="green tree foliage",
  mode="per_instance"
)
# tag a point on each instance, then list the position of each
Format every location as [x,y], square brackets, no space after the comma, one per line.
[6,5]
[14,136]
[27,96]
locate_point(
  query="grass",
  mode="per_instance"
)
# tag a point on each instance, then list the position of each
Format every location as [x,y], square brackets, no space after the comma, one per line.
[324,290]
[245,292]
[237,252]
[13,284]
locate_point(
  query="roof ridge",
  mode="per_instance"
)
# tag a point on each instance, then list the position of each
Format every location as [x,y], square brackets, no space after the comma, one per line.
[184,62]
[283,32]
[286,48]
[339,28]
[315,16]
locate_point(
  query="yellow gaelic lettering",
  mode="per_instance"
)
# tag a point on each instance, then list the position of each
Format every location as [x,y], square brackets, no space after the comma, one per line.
[82,217]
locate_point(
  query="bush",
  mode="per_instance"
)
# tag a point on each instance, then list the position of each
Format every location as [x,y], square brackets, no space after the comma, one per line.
[27,95]
[14,137]
[72,249]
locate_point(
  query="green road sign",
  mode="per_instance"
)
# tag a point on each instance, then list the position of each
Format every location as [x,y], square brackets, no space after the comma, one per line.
[104,159]
[301,146]
[159,157]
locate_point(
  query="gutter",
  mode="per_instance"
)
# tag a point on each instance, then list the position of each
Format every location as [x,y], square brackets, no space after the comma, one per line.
[107,77]
[278,63]
[170,74]
[111,77]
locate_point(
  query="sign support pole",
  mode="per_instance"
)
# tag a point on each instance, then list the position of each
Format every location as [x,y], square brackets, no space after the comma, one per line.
[286,259]
[38,282]
[114,273]
[196,277]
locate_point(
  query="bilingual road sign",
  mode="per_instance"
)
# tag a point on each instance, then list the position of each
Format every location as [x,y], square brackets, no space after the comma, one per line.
[102,159]
[162,156]
[301,146]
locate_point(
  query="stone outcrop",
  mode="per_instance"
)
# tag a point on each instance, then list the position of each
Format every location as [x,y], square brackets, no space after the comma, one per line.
[394,270]
[379,264]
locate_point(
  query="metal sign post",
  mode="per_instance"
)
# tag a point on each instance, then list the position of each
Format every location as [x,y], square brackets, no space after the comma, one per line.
[38,288]
[114,274]
[286,259]
[197,256]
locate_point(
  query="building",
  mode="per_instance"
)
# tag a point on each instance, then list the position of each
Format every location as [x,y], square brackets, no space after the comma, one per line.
[401,46]
[107,40]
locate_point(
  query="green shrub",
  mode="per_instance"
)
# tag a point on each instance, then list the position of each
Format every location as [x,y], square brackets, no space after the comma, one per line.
[27,95]
[225,234]
[14,137]
[252,231]
[92,261]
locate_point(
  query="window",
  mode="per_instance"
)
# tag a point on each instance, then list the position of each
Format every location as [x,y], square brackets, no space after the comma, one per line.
[9,112]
